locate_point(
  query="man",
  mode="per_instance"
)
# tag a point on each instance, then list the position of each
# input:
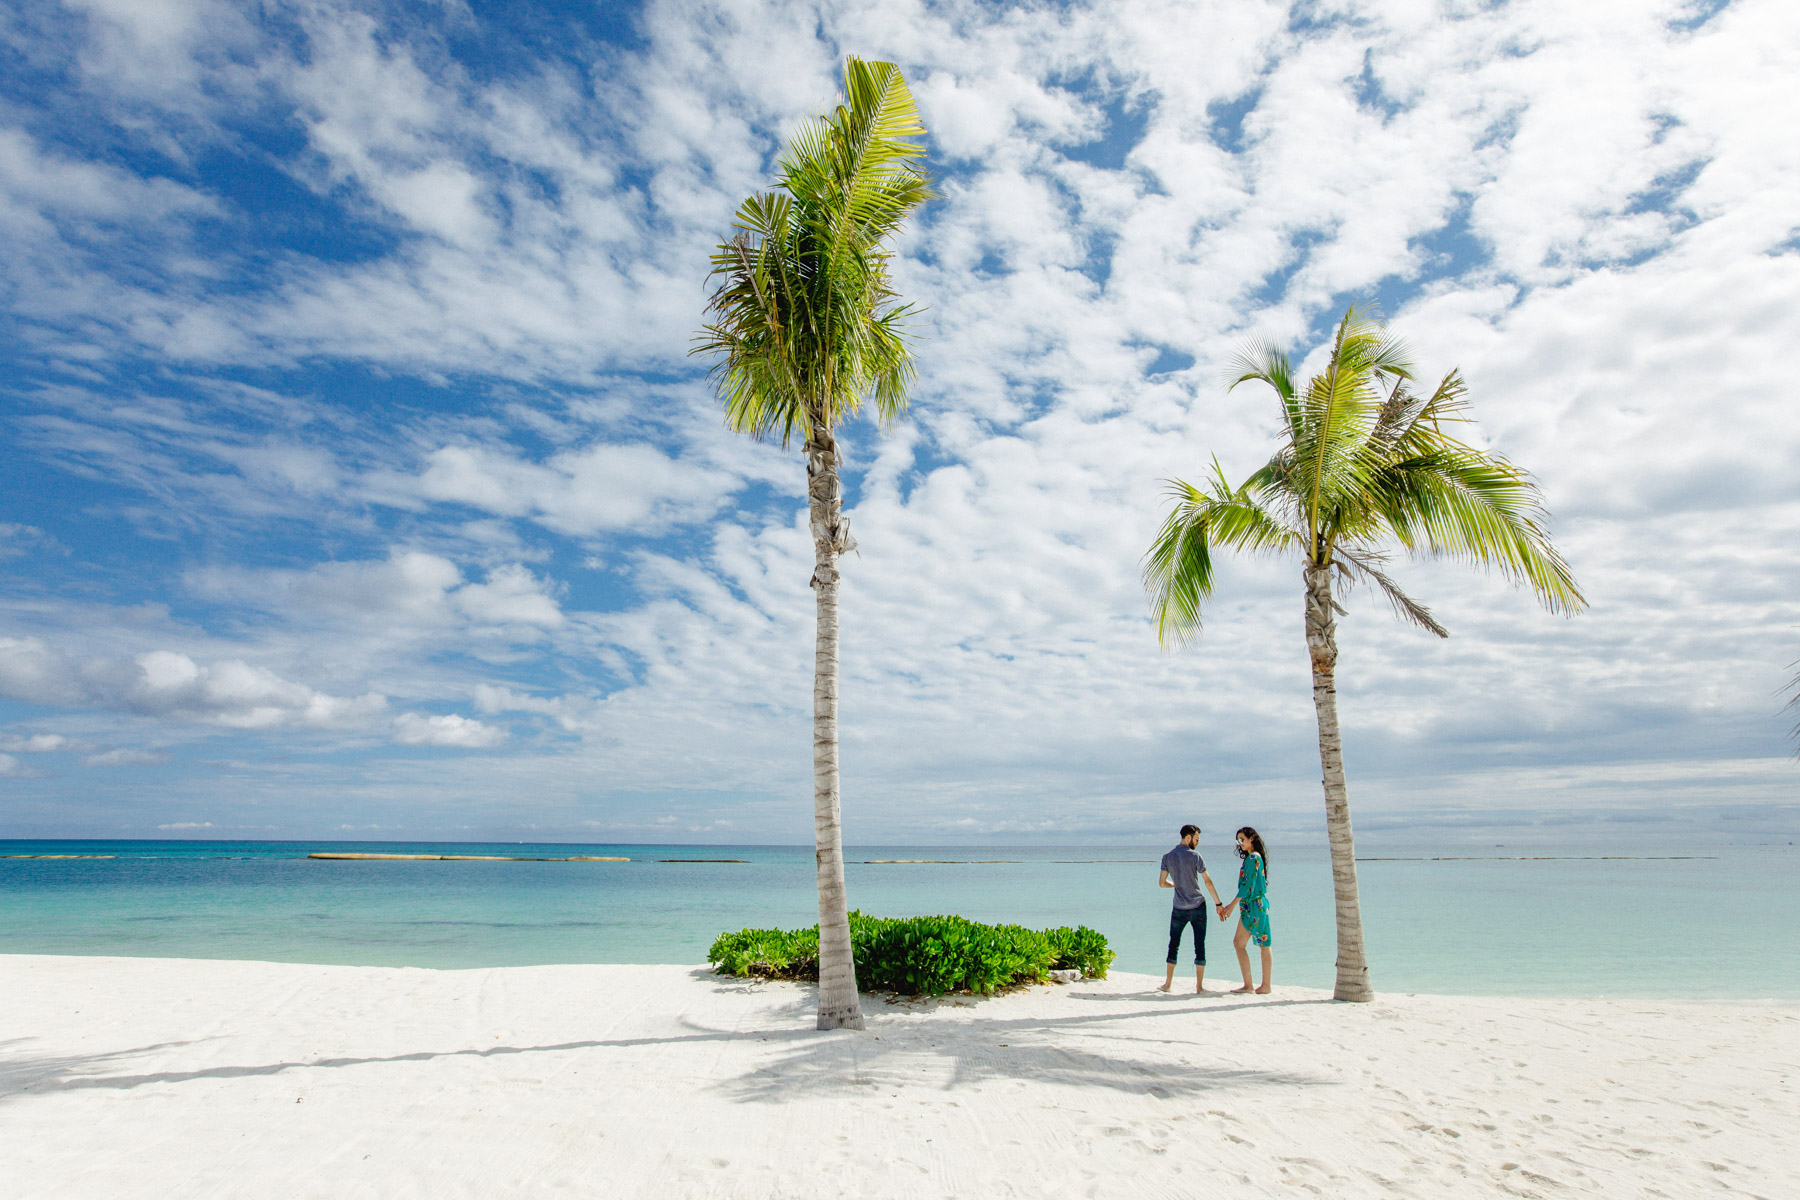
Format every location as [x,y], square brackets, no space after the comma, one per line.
[1183,869]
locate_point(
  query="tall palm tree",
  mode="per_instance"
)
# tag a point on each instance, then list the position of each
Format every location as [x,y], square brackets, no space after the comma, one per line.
[805,327]
[1364,462]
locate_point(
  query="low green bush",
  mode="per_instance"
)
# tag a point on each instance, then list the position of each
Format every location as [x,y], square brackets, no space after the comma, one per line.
[768,953]
[920,956]
[1080,949]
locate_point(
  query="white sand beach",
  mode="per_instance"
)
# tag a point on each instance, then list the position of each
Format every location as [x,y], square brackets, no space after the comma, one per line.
[177,1078]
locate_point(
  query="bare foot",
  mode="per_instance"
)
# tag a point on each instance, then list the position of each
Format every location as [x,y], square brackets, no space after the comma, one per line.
[1243,991]
[1163,988]
[1263,990]
[1200,991]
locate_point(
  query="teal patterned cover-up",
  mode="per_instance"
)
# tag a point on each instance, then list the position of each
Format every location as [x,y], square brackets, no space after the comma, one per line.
[1253,898]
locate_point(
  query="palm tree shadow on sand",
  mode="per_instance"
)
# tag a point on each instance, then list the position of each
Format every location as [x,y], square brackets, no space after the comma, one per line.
[21,1073]
[950,1054]
[968,1054]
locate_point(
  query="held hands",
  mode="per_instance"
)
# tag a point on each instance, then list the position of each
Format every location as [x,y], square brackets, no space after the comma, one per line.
[1225,909]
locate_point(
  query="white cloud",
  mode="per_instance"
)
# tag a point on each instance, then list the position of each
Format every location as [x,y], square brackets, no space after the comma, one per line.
[411,729]
[411,595]
[166,683]
[600,488]
[70,225]
[17,540]
[35,743]
[127,758]
[166,51]
[40,189]
[511,596]
[31,671]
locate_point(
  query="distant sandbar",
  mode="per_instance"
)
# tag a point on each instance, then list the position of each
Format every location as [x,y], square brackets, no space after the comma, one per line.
[469,858]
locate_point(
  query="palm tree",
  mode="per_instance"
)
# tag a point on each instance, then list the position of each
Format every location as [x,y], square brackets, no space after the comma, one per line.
[805,327]
[1363,462]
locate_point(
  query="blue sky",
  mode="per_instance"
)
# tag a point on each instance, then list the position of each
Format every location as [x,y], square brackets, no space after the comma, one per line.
[358,483]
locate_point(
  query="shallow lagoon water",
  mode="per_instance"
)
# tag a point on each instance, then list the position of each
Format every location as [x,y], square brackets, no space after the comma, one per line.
[1437,920]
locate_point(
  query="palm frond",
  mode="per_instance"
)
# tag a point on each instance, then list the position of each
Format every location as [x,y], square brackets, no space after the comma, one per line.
[856,165]
[1178,570]
[1327,465]
[1386,356]
[1398,412]
[1419,426]
[1360,565]
[890,367]
[1461,502]
[761,331]
[1339,412]
[1262,359]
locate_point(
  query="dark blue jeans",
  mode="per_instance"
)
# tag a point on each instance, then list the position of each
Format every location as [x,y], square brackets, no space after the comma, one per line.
[1180,918]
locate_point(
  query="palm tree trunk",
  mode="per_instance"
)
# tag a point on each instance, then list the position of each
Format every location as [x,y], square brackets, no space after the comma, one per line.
[1321,646]
[839,1007]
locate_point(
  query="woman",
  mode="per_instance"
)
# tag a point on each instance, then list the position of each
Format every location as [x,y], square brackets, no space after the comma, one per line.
[1252,904]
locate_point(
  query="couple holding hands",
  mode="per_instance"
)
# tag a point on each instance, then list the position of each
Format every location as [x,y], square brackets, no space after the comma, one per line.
[1184,870]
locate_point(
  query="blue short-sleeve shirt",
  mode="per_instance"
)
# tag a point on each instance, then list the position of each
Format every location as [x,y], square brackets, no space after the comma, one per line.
[1185,867]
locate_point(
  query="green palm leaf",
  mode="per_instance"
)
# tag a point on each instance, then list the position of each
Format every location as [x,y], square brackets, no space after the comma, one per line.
[1178,569]
[1459,502]
[1261,359]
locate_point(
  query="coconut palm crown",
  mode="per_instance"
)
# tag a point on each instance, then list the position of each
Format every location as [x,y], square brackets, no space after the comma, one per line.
[1365,465]
[804,321]
[805,326]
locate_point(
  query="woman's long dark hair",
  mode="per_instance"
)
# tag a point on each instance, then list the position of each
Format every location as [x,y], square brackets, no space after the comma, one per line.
[1255,844]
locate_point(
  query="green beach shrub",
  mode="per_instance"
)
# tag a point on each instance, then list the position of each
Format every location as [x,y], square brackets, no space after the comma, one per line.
[919,956]
[767,953]
[1080,949]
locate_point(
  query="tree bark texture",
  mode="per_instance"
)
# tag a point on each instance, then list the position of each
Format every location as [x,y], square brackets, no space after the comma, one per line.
[1321,647]
[839,1007]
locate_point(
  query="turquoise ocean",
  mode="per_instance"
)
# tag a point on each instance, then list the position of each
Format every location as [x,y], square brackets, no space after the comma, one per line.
[1722,922]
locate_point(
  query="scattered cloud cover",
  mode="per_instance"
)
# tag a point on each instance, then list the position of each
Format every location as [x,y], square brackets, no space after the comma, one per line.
[358,476]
